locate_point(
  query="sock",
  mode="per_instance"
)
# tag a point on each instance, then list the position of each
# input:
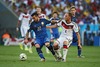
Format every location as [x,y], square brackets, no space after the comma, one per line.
[51,43]
[65,50]
[58,53]
[51,49]
[30,45]
[79,51]
[25,45]
[40,53]
[47,50]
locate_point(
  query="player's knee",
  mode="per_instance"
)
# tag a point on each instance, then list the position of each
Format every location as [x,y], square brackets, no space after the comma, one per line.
[47,44]
[37,45]
[55,46]
[65,44]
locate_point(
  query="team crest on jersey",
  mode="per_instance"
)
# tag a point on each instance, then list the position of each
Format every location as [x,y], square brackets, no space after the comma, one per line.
[42,23]
[67,26]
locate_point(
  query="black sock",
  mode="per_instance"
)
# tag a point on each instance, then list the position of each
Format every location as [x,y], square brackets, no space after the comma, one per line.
[79,51]
[51,49]
[40,53]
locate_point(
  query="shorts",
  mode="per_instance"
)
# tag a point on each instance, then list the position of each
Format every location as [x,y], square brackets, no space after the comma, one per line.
[62,39]
[41,41]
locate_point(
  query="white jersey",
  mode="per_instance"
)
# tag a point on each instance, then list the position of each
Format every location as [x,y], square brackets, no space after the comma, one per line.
[67,29]
[24,18]
[42,16]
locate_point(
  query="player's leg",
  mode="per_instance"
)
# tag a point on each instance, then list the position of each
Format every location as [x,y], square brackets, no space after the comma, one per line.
[39,45]
[51,50]
[58,51]
[39,51]
[47,50]
[30,45]
[25,31]
[65,50]
[79,50]
[49,36]
[22,36]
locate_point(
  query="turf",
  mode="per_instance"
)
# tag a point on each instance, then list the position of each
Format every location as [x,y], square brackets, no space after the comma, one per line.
[9,57]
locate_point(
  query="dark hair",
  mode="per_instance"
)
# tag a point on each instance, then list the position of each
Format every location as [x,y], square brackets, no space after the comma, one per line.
[55,12]
[35,14]
[72,7]
[70,14]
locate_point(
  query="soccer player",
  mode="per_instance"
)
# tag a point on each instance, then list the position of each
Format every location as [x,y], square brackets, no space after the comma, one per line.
[24,19]
[43,16]
[39,27]
[75,40]
[39,11]
[54,31]
[66,36]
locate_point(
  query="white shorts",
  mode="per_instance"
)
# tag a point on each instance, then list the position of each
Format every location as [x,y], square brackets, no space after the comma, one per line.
[24,30]
[61,40]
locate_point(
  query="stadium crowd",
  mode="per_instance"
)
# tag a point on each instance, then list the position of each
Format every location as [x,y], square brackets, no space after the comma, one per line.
[88,11]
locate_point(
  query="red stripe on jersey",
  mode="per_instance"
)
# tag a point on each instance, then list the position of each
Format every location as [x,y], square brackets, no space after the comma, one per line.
[67,26]
[25,16]
[41,16]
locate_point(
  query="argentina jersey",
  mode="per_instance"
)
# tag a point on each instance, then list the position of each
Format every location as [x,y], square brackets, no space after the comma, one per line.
[39,28]
[74,34]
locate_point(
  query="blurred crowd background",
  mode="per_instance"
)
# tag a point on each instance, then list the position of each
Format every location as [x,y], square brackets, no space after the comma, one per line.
[88,13]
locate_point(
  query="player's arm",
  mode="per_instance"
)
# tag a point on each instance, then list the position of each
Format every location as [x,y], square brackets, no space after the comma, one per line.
[17,27]
[55,26]
[52,26]
[79,40]
[19,20]
[76,29]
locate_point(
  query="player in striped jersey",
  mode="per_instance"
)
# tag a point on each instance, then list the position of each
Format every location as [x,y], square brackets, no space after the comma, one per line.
[24,19]
[66,36]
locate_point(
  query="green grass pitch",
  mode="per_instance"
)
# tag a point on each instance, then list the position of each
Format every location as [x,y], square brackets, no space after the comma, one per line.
[9,57]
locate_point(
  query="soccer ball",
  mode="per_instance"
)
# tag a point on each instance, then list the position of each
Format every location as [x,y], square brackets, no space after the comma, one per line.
[22,56]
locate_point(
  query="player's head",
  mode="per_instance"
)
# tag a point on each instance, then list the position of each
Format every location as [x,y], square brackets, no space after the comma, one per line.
[67,16]
[73,10]
[55,14]
[38,10]
[35,16]
[25,10]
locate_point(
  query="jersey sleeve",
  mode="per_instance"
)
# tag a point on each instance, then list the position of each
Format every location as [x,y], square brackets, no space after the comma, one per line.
[47,21]
[20,17]
[76,28]
[59,23]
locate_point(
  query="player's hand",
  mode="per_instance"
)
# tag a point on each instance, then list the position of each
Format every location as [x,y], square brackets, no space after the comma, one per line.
[17,29]
[26,41]
[79,46]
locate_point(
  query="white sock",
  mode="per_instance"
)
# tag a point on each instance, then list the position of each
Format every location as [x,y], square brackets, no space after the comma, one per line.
[25,45]
[47,50]
[30,45]
[58,52]
[65,53]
